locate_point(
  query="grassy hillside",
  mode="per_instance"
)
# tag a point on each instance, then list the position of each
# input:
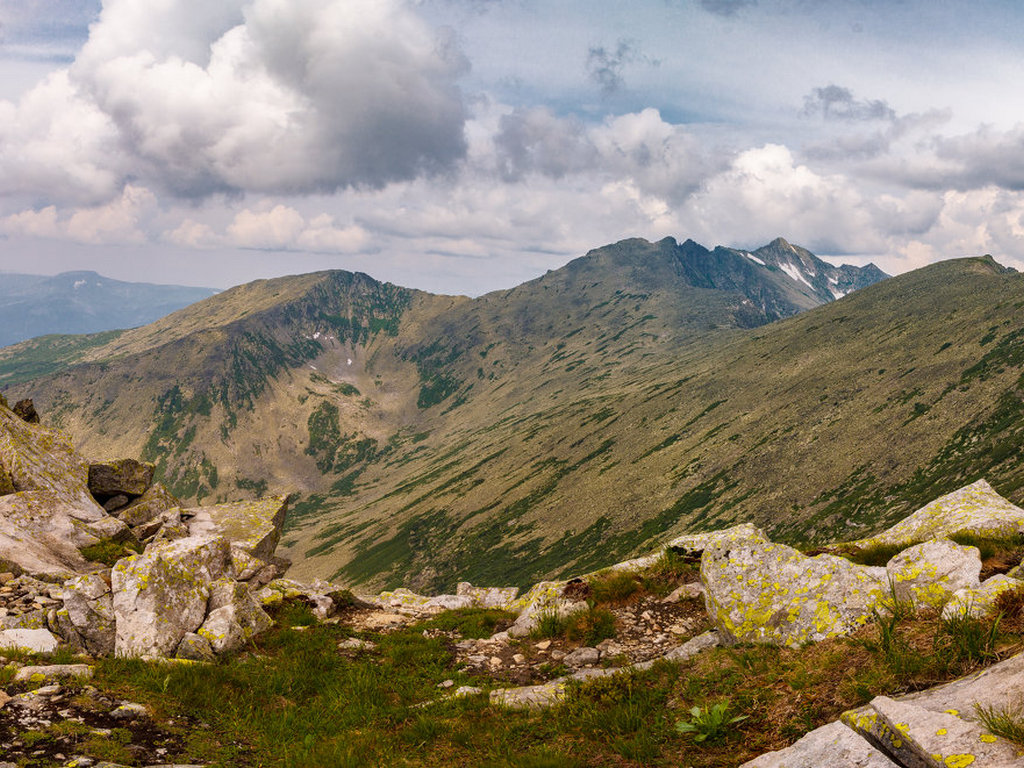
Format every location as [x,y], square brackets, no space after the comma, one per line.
[569,422]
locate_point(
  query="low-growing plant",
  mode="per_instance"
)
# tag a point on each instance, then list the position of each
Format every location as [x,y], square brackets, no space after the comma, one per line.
[1006,721]
[471,622]
[709,723]
[876,554]
[109,551]
[669,570]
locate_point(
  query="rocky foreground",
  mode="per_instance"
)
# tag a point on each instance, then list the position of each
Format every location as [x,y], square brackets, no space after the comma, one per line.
[98,559]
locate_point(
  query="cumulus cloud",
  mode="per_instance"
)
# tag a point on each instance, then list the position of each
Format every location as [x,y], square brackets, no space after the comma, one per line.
[982,158]
[122,221]
[277,96]
[640,148]
[274,228]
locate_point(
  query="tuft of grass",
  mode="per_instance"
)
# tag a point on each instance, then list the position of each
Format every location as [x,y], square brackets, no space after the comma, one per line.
[591,626]
[550,624]
[614,587]
[963,641]
[876,554]
[1006,721]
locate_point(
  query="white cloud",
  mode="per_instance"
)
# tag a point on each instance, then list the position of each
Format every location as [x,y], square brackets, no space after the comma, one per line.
[277,96]
[124,220]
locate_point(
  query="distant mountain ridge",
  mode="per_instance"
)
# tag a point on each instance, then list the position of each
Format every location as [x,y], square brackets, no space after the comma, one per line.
[83,302]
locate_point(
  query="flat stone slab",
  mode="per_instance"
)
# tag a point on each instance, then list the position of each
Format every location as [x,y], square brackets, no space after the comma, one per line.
[254,526]
[47,673]
[831,746]
[992,687]
[915,736]
[32,640]
[975,508]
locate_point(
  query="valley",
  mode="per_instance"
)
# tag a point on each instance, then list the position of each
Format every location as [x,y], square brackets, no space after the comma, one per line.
[641,391]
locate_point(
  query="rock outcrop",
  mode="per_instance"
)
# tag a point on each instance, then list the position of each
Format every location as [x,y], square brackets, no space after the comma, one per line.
[195,574]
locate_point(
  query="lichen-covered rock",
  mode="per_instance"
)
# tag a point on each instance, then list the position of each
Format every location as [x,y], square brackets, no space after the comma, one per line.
[975,508]
[543,598]
[128,476]
[234,616]
[830,745]
[758,591]
[162,594]
[156,500]
[317,594]
[254,526]
[979,602]
[90,610]
[32,640]
[695,543]
[51,514]
[913,735]
[194,647]
[928,574]
[488,597]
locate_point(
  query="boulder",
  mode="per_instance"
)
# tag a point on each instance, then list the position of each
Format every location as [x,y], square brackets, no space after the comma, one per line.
[928,574]
[254,526]
[317,595]
[544,597]
[51,514]
[234,616]
[194,647]
[757,591]
[120,476]
[830,745]
[975,508]
[90,610]
[150,505]
[51,672]
[162,594]
[979,602]
[488,597]
[695,543]
[26,411]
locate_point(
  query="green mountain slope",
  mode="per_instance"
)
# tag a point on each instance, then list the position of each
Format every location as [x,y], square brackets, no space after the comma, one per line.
[568,422]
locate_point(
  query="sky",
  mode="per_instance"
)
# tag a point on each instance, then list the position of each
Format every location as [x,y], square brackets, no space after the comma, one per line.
[464,146]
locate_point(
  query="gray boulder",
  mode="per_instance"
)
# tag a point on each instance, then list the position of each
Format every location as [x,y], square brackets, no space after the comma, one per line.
[90,611]
[757,591]
[234,616]
[830,745]
[162,594]
[980,602]
[928,574]
[120,476]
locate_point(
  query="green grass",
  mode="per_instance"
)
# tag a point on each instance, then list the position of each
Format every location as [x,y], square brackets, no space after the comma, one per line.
[109,551]
[472,622]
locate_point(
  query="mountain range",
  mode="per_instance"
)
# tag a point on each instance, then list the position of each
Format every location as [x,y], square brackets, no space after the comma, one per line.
[83,302]
[642,390]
